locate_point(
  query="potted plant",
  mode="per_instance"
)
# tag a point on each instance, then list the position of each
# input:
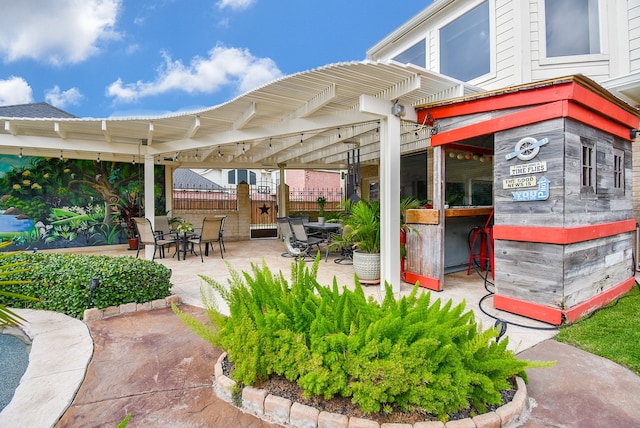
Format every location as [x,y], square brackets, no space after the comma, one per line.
[361,229]
[321,201]
[128,209]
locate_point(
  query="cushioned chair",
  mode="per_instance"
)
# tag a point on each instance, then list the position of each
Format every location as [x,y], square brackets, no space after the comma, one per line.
[148,237]
[211,227]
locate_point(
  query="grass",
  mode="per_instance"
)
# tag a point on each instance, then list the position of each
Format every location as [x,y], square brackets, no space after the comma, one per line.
[612,333]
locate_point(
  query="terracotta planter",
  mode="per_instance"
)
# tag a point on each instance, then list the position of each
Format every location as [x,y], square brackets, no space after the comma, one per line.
[133,243]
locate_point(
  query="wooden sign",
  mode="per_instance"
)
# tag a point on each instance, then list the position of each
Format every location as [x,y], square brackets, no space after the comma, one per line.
[539,194]
[528,168]
[518,182]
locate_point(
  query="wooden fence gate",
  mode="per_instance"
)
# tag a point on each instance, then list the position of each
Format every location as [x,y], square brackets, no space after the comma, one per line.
[264,209]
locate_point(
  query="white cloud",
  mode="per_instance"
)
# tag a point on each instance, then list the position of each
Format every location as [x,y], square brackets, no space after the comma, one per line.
[235,4]
[63,99]
[224,66]
[57,32]
[15,90]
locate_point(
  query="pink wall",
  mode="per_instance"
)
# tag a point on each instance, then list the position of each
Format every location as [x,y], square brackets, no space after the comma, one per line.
[308,179]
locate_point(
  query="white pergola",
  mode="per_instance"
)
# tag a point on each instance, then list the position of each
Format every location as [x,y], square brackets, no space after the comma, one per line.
[308,120]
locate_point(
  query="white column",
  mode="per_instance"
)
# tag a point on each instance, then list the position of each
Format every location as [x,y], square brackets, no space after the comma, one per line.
[389,188]
[149,198]
[390,202]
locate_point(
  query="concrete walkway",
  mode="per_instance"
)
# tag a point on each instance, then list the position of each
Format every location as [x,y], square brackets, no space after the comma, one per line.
[150,365]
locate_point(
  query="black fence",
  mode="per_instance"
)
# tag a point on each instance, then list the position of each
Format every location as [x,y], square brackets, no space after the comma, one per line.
[219,198]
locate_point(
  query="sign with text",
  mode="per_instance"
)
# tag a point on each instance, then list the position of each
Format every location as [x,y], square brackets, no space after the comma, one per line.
[517,183]
[539,194]
[528,168]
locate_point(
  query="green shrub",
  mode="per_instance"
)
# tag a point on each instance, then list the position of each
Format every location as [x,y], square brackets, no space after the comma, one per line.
[405,354]
[61,281]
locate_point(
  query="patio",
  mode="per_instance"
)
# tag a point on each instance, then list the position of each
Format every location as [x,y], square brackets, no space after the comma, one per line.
[167,341]
[241,254]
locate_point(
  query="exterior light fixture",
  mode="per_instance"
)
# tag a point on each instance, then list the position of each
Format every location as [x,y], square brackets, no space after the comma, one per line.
[397,110]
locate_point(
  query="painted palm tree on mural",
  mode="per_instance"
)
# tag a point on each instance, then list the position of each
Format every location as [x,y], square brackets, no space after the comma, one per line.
[8,317]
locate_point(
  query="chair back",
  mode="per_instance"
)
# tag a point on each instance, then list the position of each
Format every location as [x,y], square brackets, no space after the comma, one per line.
[161,224]
[284,228]
[224,219]
[145,232]
[297,227]
[304,217]
[211,227]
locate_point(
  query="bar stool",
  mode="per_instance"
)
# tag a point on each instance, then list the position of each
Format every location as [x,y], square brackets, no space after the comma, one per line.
[481,248]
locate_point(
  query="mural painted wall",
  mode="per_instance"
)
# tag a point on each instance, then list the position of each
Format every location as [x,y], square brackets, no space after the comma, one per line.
[59,203]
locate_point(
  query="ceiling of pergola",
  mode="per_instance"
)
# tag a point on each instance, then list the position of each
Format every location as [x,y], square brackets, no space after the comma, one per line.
[306,120]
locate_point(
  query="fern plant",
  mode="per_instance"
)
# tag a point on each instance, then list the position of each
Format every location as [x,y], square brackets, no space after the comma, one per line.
[402,354]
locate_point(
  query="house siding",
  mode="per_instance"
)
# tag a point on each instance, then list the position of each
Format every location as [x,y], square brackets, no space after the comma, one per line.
[634,34]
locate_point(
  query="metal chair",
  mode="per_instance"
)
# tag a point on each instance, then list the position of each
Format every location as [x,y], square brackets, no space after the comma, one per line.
[224,220]
[148,237]
[162,228]
[303,240]
[211,227]
[286,234]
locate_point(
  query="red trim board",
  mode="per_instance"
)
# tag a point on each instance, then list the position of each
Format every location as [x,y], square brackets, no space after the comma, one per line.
[534,96]
[527,309]
[562,235]
[555,316]
[425,281]
[509,121]
[531,115]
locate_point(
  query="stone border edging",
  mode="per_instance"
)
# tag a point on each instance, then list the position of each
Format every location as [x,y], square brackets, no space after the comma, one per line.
[95,314]
[284,412]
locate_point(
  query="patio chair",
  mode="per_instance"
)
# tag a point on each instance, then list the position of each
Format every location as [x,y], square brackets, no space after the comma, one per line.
[148,237]
[286,234]
[302,239]
[338,243]
[224,220]
[163,229]
[210,233]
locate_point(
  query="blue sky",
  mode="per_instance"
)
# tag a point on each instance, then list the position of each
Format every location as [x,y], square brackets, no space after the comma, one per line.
[104,58]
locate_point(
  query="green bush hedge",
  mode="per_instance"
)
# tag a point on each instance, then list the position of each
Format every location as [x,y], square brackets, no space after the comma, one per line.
[402,354]
[61,281]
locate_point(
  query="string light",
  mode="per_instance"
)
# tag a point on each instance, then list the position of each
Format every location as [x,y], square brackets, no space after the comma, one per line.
[98,158]
[20,155]
[196,154]
[61,157]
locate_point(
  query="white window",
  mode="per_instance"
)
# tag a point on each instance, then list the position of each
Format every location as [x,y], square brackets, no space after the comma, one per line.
[572,27]
[416,55]
[465,45]
[237,176]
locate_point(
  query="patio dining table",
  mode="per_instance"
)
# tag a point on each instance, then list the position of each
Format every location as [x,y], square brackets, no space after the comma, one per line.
[324,228]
